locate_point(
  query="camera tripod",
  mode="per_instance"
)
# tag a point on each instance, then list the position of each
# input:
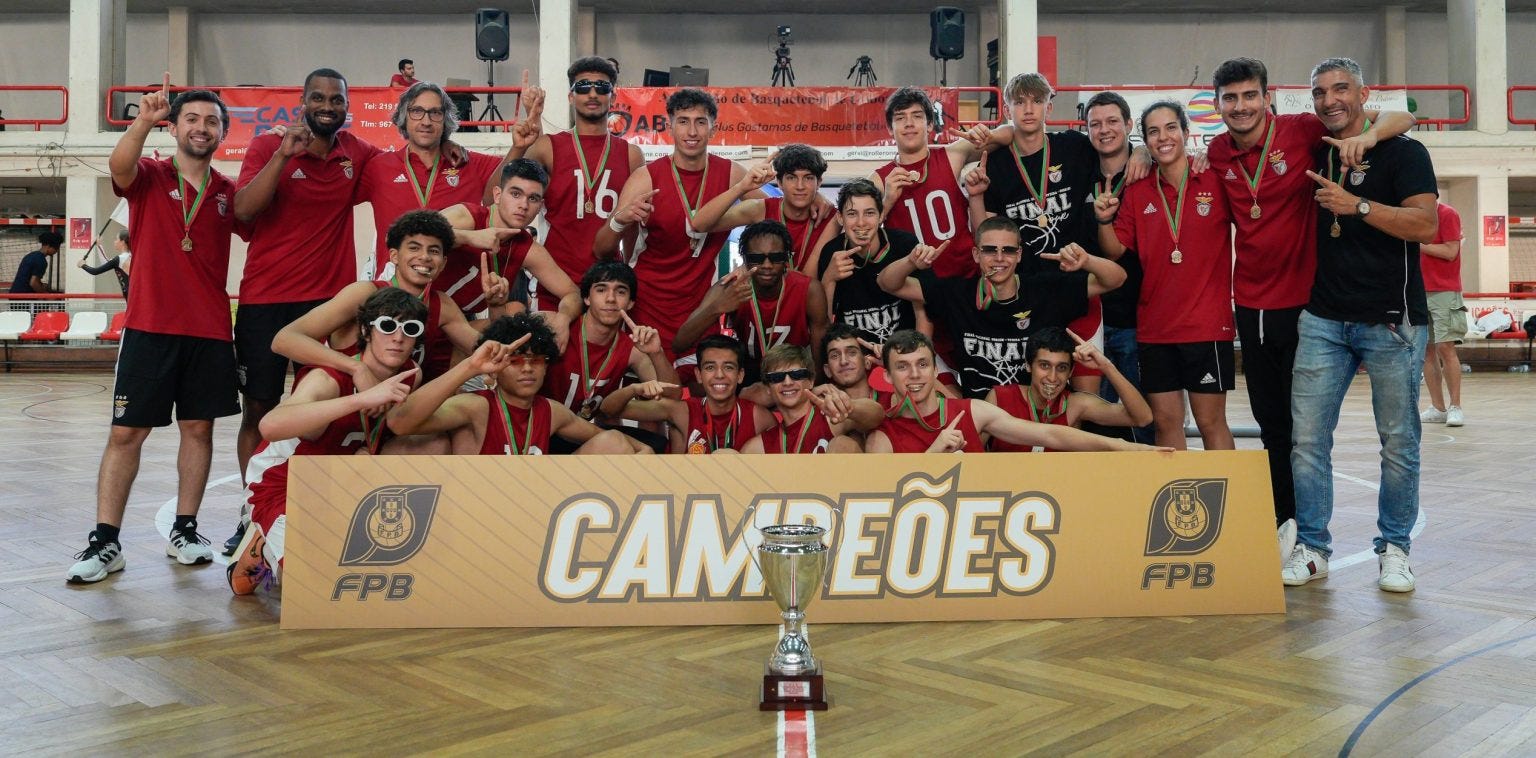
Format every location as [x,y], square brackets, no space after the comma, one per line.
[865,69]
[783,69]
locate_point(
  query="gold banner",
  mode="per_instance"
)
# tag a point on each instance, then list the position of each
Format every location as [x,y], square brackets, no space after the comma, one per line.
[467,541]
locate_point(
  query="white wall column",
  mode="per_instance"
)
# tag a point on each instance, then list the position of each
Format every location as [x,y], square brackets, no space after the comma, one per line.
[586,31]
[1476,31]
[87,195]
[557,48]
[1394,47]
[94,53]
[178,51]
[1018,38]
[1484,268]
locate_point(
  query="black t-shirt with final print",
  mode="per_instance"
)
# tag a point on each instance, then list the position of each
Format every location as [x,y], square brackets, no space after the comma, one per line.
[858,300]
[1068,200]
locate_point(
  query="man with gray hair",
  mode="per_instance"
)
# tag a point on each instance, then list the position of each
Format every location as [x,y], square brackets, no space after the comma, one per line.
[420,176]
[1367,307]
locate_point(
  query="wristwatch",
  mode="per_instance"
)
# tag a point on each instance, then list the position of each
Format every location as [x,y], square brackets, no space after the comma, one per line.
[1364,207]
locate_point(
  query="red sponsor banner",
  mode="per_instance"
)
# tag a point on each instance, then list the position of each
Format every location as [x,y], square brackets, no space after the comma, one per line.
[1494,231]
[828,116]
[255,110]
[80,234]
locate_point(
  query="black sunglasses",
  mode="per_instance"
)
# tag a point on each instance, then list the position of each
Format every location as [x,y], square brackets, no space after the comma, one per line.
[758,259]
[389,324]
[585,87]
[797,374]
[1004,249]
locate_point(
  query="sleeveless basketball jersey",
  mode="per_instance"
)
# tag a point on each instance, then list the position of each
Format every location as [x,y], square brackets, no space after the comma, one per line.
[1010,397]
[498,427]
[460,277]
[782,319]
[935,209]
[675,265]
[781,439]
[563,382]
[571,227]
[434,351]
[707,432]
[805,232]
[909,436]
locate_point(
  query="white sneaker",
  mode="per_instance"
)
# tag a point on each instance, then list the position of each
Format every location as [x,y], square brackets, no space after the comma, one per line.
[1286,535]
[188,547]
[1454,417]
[96,561]
[1303,565]
[1432,416]
[1396,576]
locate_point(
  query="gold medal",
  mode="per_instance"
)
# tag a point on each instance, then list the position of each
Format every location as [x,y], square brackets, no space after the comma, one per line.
[1335,230]
[186,244]
[1042,221]
[589,207]
[588,409]
[1253,212]
[1176,257]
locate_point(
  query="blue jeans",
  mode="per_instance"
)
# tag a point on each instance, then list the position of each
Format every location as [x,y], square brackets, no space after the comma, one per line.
[1327,355]
[1120,349]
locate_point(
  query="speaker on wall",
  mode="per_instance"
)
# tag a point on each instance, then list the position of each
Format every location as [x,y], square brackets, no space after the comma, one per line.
[948,33]
[492,34]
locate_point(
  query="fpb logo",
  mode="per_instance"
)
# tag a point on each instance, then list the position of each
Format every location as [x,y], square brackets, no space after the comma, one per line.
[1185,520]
[390,525]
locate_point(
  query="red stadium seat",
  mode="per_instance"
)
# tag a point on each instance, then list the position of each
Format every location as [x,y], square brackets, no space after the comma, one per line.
[46,327]
[114,330]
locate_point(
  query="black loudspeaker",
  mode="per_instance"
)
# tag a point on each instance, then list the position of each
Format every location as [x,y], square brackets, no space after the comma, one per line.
[948,39]
[492,36]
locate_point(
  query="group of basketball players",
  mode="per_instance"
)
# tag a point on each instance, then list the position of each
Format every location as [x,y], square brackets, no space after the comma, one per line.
[953,301]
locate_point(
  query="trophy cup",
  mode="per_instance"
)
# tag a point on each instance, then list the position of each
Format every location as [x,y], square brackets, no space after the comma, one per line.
[792,560]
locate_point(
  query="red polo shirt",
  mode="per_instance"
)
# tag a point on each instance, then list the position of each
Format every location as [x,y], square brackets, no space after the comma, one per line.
[176,291]
[1188,301]
[302,247]
[392,194]
[1442,275]
[1277,252]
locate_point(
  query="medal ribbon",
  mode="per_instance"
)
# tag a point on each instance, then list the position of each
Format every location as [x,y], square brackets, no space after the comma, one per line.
[906,403]
[1258,173]
[1174,219]
[880,256]
[371,433]
[804,427]
[425,296]
[986,293]
[694,206]
[1112,191]
[506,417]
[590,193]
[1045,164]
[423,197]
[1339,177]
[1043,416]
[730,429]
[187,216]
[757,319]
[588,379]
[805,242]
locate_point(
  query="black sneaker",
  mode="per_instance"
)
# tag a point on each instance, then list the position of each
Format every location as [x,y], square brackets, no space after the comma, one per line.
[96,561]
[233,543]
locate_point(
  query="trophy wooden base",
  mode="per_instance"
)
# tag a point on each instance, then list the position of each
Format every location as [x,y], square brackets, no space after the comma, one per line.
[801,692]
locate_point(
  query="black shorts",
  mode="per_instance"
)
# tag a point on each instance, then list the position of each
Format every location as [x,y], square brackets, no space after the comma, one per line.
[1200,367]
[262,372]
[156,372]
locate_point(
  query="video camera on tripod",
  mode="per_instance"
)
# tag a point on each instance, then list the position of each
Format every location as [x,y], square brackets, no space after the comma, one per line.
[783,67]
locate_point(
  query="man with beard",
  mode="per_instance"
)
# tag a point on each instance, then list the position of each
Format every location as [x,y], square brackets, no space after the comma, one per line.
[296,195]
[990,316]
[1049,399]
[802,210]
[423,175]
[176,351]
[587,167]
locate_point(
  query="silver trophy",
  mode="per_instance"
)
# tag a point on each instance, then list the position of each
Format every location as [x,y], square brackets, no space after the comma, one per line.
[793,562]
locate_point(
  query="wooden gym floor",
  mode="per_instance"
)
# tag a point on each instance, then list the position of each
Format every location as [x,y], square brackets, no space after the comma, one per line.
[162,660]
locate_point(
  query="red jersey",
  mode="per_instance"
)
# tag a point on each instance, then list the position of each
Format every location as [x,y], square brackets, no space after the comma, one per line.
[392,193]
[804,232]
[434,351]
[811,434]
[302,246]
[707,432]
[1185,297]
[460,277]
[1010,397]
[531,426]
[267,472]
[935,209]
[908,435]
[571,227]
[575,387]
[1276,252]
[1442,275]
[177,291]
[780,321]
[676,264]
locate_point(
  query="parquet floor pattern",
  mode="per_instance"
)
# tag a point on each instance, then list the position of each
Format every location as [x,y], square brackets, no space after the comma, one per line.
[161,660]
